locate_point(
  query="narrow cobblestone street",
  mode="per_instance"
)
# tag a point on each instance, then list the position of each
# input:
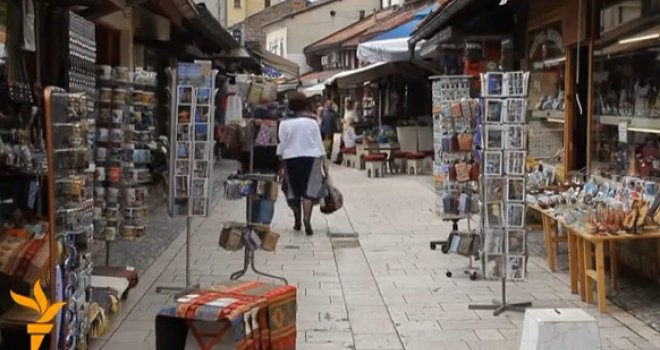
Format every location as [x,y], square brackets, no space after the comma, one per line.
[382,289]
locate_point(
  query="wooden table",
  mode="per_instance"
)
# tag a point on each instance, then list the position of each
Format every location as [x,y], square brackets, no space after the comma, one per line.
[585,247]
[551,234]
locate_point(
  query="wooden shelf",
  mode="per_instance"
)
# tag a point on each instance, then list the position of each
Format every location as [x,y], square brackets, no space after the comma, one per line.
[547,114]
[649,125]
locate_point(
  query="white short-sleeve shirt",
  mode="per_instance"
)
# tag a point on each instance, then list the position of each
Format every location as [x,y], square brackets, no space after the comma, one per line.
[300,137]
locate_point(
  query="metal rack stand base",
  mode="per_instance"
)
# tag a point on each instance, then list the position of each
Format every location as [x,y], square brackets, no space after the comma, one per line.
[503,306]
[248,262]
[175,290]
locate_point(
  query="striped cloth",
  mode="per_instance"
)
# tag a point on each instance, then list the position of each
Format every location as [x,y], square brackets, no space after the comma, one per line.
[261,317]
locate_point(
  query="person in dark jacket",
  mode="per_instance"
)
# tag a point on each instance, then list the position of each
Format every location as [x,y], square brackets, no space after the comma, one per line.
[329,125]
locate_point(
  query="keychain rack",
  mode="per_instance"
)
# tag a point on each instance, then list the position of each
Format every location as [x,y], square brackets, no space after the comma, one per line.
[248,259]
[451,94]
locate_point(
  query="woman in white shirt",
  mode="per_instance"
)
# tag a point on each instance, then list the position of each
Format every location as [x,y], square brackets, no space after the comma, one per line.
[302,151]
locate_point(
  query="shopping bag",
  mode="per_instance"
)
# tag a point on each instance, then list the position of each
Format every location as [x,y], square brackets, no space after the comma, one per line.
[332,199]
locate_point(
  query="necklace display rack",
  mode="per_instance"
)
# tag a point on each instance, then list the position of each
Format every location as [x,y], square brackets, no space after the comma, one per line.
[504,151]
[249,253]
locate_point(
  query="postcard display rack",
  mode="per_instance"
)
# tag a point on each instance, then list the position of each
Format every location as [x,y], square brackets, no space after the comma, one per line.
[503,137]
[455,170]
[191,142]
[125,127]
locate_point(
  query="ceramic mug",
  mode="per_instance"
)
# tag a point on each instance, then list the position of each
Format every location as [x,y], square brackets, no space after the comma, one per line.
[100,174]
[105,114]
[106,95]
[120,96]
[121,74]
[117,116]
[104,72]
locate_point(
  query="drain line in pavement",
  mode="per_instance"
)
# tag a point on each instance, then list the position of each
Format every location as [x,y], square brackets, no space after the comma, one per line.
[356,278]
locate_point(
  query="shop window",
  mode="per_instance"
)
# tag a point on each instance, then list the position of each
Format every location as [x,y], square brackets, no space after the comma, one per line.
[625,126]
[547,57]
[619,14]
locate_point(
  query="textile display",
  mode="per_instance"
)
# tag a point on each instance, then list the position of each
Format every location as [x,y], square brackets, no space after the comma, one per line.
[126,272]
[248,315]
[281,310]
[25,257]
[233,103]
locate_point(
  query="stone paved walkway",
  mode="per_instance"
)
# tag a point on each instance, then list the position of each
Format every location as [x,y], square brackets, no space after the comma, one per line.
[160,233]
[385,290]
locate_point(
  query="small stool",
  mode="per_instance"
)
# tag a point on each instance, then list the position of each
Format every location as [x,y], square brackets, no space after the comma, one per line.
[349,156]
[374,164]
[361,152]
[428,161]
[415,163]
[385,162]
[577,328]
[398,162]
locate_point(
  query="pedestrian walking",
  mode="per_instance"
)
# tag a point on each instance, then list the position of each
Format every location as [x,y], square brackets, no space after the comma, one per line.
[303,156]
[329,125]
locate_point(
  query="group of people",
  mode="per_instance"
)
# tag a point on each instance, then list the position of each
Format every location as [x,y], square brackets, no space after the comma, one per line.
[305,143]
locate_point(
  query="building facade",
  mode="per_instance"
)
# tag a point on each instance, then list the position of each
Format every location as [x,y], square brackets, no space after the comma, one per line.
[238,10]
[250,29]
[289,35]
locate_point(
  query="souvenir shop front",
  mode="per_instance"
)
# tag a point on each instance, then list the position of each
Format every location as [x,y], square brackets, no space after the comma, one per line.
[386,96]
[603,205]
[606,217]
[75,156]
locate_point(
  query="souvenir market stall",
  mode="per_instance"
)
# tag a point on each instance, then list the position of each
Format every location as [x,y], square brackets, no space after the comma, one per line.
[47,163]
[235,313]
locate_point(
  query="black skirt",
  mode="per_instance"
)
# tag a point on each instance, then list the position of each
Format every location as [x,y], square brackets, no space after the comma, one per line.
[304,178]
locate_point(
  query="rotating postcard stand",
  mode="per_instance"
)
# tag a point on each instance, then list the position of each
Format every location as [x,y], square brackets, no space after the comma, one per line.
[503,155]
[249,252]
[192,91]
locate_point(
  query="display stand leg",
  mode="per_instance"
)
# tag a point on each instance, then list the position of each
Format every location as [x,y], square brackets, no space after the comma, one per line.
[175,290]
[107,253]
[502,306]
[248,263]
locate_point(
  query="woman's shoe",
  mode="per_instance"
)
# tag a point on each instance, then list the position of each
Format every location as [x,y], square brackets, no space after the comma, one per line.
[308,228]
[297,226]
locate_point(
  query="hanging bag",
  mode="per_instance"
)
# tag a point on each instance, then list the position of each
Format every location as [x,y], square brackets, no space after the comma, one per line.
[332,199]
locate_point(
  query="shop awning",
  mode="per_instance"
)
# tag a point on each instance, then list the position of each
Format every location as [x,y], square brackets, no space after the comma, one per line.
[313,78]
[392,46]
[390,50]
[276,62]
[404,30]
[439,19]
[371,72]
[214,33]
[314,90]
